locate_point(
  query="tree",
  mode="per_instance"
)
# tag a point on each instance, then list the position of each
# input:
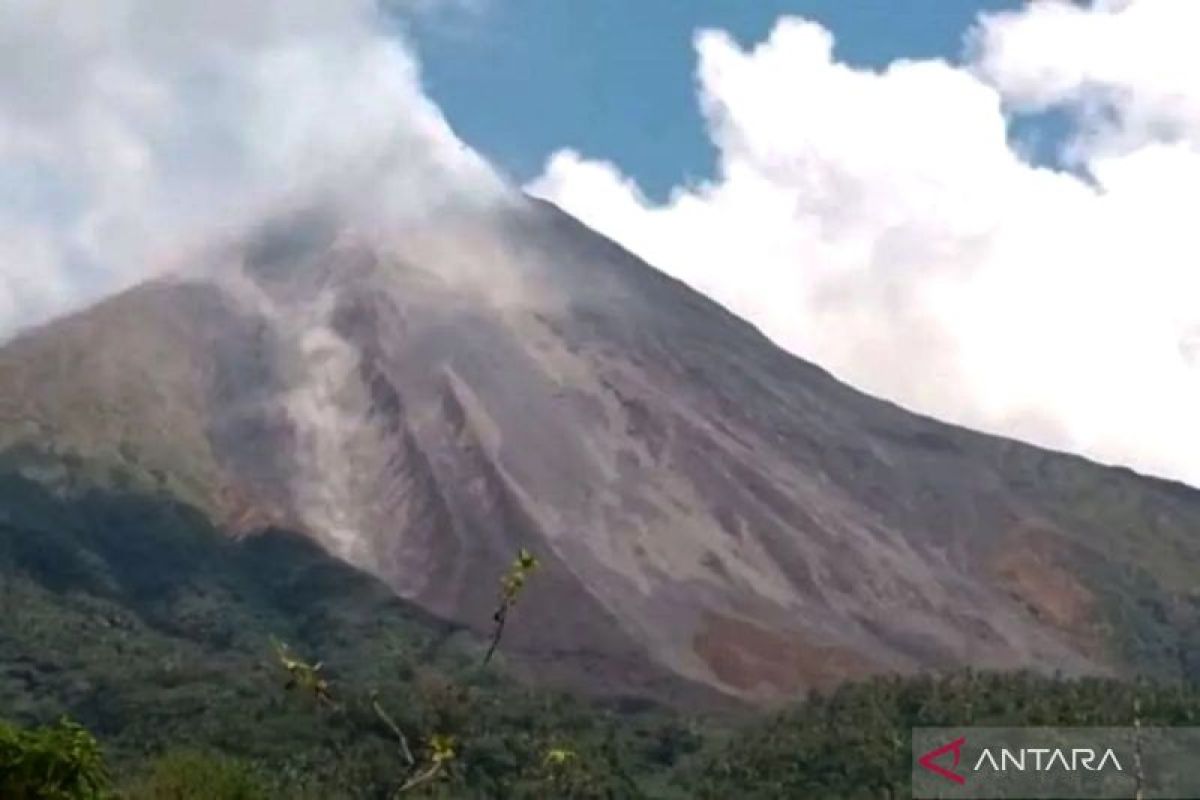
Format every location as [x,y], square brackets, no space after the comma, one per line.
[510,589]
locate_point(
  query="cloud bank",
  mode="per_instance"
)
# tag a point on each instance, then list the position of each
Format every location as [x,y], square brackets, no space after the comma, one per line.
[882,224]
[133,130]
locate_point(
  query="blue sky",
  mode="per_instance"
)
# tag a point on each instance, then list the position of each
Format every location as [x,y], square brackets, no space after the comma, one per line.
[989,235]
[519,79]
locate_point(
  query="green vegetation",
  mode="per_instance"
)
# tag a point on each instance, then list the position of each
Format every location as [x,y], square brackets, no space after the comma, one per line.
[57,762]
[856,742]
[852,743]
[510,590]
[197,775]
[127,613]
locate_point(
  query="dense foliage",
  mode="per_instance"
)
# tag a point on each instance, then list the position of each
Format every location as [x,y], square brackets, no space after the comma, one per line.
[57,762]
[856,741]
[128,613]
[197,775]
[852,743]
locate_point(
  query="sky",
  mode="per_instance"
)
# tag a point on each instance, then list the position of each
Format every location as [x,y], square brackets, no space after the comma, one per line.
[982,211]
[520,79]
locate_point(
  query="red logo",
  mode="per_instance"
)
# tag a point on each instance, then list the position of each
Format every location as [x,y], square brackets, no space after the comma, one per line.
[929,760]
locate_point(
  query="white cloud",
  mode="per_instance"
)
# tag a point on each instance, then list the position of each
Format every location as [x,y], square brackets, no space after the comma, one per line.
[130,128]
[879,223]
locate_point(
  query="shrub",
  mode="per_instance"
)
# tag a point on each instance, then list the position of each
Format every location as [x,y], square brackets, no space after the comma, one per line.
[57,762]
[195,775]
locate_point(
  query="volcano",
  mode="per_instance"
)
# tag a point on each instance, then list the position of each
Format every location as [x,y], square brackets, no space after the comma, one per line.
[714,516]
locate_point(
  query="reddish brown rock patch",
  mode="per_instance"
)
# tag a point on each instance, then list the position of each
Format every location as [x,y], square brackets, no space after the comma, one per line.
[751,659]
[1029,565]
[242,514]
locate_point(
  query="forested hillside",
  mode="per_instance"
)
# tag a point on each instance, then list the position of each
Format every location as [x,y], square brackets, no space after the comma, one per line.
[126,612]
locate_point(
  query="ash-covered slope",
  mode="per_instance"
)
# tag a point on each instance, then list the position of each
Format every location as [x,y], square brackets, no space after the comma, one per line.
[708,507]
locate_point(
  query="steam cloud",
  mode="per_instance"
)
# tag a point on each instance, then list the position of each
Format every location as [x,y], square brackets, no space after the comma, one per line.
[882,224]
[133,131]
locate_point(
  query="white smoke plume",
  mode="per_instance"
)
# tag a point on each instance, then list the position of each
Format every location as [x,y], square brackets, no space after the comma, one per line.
[882,224]
[133,130]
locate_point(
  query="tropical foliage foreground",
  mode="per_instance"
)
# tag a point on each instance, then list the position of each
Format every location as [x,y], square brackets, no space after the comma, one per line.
[851,743]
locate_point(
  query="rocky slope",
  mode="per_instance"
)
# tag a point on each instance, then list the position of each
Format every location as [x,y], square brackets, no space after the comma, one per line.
[712,511]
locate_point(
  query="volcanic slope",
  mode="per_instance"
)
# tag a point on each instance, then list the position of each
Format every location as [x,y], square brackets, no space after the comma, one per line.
[710,510]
